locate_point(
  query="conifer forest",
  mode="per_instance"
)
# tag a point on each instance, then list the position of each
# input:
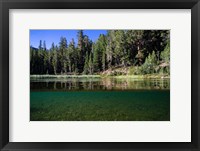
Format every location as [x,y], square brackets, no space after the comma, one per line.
[141,51]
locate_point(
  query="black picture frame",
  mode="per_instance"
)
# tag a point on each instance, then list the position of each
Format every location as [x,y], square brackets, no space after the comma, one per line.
[5,5]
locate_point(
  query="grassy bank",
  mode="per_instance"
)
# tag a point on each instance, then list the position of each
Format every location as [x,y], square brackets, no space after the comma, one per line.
[64,76]
[115,72]
[147,76]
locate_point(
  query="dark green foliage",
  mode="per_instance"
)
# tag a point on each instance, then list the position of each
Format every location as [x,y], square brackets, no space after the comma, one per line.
[62,55]
[90,64]
[86,65]
[145,51]
[99,51]
[54,58]
[150,64]
[165,55]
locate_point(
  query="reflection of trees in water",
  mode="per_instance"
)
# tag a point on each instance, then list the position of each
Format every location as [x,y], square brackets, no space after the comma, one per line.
[124,84]
[102,84]
[107,83]
[148,84]
[47,84]
[54,86]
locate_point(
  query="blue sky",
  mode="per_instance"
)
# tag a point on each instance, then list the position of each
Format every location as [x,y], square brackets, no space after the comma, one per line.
[51,36]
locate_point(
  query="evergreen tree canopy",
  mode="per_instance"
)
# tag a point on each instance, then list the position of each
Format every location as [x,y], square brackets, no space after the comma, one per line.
[147,49]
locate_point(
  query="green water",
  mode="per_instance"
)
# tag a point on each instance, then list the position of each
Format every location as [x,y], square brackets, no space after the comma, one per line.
[129,105]
[99,99]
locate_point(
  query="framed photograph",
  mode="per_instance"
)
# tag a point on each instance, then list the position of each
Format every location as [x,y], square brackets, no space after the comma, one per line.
[92,75]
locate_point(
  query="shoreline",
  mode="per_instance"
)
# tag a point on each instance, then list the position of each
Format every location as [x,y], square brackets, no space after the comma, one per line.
[147,76]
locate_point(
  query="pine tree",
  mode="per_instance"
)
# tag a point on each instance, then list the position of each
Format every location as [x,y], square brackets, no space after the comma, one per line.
[49,61]
[54,58]
[150,64]
[40,45]
[40,59]
[33,59]
[90,64]
[80,50]
[99,49]
[104,60]
[86,64]
[63,53]
[73,56]
[46,58]
[44,46]
[165,55]
[110,47]
[96,57]
[120,51]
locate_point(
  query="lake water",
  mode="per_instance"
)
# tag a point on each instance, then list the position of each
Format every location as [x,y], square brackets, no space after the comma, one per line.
[99,99]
